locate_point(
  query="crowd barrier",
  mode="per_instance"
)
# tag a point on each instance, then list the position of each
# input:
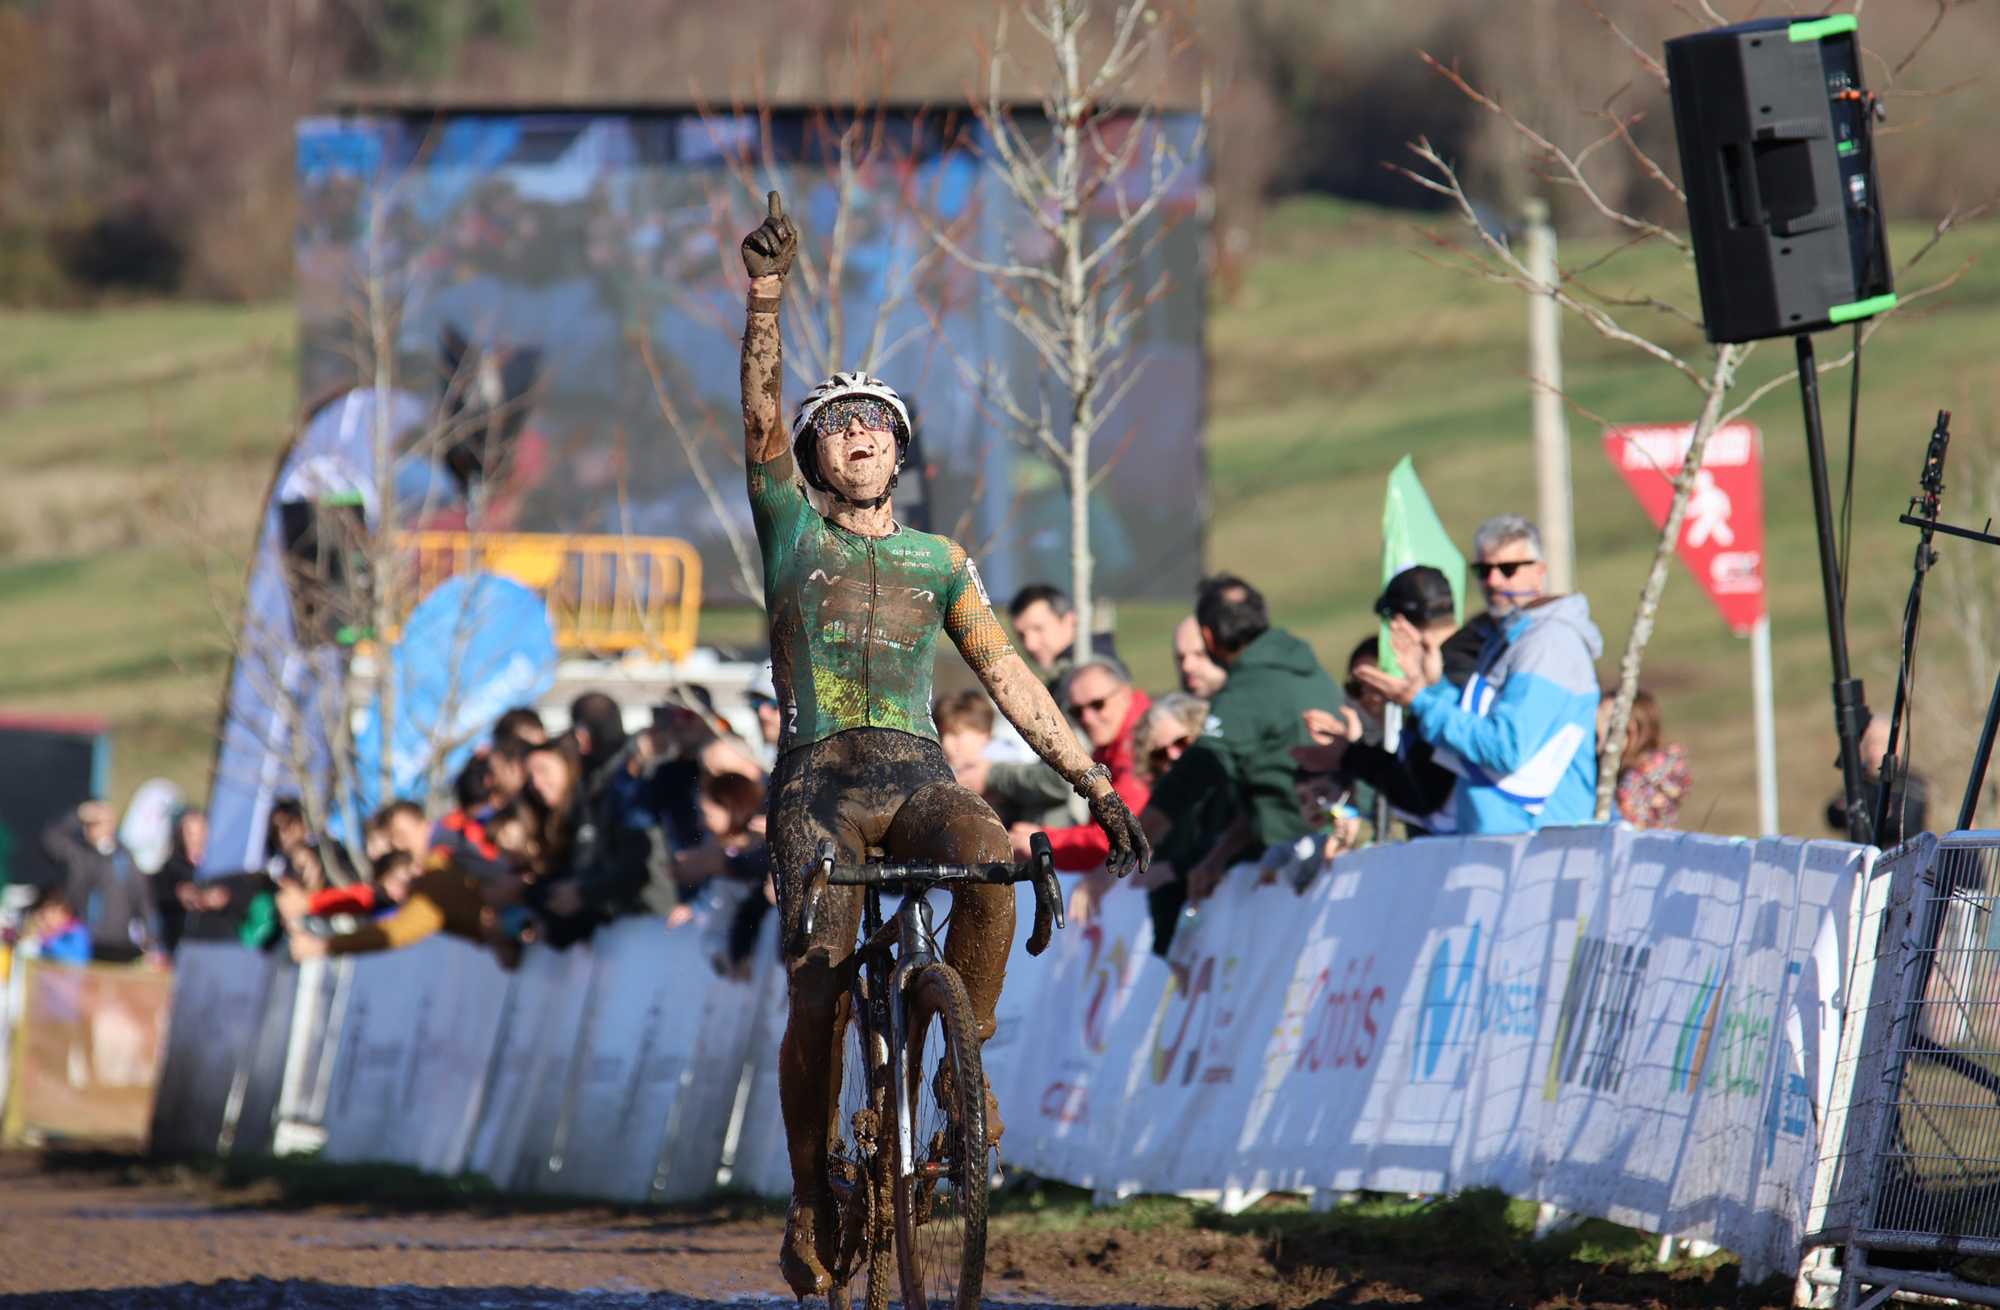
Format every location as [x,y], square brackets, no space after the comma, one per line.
[79,1046]
[1634,1026]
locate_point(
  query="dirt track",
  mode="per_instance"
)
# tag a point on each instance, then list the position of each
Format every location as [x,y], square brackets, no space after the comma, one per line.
[99,1232]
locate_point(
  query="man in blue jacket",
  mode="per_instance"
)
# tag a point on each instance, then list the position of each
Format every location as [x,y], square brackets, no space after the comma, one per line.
[1522,733]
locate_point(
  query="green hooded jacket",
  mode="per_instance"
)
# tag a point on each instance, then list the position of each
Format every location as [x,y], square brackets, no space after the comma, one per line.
[1244,752]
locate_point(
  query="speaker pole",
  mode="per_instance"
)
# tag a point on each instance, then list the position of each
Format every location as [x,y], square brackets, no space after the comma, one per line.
[1847,693]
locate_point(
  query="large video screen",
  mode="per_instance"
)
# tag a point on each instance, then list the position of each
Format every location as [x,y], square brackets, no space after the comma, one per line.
[562,296]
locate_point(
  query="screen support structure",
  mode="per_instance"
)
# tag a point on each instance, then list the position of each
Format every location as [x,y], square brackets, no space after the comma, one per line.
[1848,696]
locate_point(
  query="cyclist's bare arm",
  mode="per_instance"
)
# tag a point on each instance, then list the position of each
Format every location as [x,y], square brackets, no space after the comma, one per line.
[767,257]
[1029,707]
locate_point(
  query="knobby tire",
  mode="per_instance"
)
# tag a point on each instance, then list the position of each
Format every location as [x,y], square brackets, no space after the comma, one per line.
[940,1208]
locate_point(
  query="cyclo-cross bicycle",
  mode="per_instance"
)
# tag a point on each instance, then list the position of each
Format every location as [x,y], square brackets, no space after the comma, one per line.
[907,1157]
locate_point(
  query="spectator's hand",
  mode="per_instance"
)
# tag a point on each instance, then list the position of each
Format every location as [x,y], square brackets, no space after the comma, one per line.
[565,898]
[1202,880]
[679,916]
[1087,895]
[1346,835]
[212,898]
[1130,851]
[768,252]
[1160,874]
[293,903]
[757,824]
[1019,835]
[191,897]
[305,946]
[1421,666]
[1327,727]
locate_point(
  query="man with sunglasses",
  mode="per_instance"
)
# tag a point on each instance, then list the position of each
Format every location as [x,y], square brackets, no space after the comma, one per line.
[856,602]
[1521,733]
[1508,566]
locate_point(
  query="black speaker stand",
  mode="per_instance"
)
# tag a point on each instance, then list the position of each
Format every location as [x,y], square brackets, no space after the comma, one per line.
[1848,697]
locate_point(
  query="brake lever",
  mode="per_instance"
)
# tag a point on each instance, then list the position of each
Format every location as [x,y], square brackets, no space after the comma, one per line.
[1048,894]
[816,884]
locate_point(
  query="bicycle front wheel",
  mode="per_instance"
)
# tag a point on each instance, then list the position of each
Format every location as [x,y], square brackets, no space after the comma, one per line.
[941,1203]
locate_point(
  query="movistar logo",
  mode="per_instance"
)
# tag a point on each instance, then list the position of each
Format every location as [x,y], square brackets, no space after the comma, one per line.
[1447,988]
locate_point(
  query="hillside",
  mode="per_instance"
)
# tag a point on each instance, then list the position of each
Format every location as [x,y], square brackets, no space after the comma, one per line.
[140,439]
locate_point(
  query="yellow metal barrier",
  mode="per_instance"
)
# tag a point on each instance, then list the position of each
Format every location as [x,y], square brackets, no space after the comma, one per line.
[606,594]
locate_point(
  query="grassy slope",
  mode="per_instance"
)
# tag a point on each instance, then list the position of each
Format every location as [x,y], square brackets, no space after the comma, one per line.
[1342,351]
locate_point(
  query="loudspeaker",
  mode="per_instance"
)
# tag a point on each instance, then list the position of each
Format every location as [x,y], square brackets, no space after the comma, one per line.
[1778,162]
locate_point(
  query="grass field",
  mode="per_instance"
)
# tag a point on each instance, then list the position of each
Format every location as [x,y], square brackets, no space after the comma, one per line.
[139,441]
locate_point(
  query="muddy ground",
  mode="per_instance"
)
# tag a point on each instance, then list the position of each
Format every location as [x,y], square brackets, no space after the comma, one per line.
[95,1231]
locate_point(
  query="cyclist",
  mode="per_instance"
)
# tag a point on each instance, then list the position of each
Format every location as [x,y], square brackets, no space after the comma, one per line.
[856,602]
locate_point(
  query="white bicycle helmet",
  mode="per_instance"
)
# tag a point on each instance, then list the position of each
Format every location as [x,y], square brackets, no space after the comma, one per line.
[844,386]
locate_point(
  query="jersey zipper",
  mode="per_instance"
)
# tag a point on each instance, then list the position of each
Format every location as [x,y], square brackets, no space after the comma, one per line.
[868,644]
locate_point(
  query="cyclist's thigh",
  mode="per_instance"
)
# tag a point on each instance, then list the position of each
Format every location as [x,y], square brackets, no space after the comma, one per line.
[948,824]
[805,812]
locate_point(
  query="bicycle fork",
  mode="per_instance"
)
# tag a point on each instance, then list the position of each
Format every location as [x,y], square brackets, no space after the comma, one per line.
[913,953]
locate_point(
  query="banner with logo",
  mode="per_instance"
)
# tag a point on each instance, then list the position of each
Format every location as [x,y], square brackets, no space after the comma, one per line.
[86,1046]
[1635,1026]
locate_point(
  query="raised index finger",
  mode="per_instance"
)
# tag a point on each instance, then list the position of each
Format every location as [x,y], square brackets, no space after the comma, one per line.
[777,206]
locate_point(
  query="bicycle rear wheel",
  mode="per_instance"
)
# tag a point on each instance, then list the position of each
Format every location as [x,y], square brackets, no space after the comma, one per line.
[941,1203]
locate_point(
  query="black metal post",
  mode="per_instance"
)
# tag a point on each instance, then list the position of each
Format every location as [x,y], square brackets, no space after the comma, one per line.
[1889,782]
[1969,807]
[1847,693]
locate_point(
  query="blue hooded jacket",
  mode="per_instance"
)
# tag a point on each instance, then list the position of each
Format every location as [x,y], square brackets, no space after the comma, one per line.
[1522,735]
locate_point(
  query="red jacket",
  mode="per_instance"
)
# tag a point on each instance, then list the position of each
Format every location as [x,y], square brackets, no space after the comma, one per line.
[1083,847]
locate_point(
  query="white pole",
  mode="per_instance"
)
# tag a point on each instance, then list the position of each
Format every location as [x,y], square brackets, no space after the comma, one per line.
[1551,432]
[1767,728]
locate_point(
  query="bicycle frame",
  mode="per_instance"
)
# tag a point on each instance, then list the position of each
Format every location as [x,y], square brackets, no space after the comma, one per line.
[908,941]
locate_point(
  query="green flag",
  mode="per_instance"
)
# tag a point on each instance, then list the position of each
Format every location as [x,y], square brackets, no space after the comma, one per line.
[1413,534]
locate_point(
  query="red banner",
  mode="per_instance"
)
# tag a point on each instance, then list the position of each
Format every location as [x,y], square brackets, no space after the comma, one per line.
[1722,533]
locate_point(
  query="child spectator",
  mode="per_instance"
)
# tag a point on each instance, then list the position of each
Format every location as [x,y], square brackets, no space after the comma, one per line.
[1653,775]
[55,933]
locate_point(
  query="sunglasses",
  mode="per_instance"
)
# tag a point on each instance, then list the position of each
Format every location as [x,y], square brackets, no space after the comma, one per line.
[1077,709]
[1505,568]
[1170,750]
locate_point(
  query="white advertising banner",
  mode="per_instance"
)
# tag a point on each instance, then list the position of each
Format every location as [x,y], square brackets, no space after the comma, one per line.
[1637,1026]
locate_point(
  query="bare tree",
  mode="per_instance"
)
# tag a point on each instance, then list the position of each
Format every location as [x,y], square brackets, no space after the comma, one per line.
[1069,289]
[1618,316]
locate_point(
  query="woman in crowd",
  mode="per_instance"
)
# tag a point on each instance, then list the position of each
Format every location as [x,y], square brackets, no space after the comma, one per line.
[1653,774]
[1171,724]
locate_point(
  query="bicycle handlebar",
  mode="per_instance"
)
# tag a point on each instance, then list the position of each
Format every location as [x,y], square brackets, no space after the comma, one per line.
[1039,868]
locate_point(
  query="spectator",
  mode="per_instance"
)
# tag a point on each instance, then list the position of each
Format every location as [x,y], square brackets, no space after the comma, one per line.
[1909,806]
[177,889]
[1165,733]
[1200,675]
[521,724]
[102,884]
[442,898]
[1522,734]
[1102,699]
[54,932]
[1508,566]
[1367,702]
[1652,773]
[284,833]
[1021,792]
[731,845]
[553,783]
[407,830]
[1045,624]
[507,771]
[1324,805]
[389,888]
[1419,789]
[1244,755]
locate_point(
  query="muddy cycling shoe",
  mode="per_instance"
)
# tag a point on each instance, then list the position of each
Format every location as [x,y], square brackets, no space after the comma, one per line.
[808,1249]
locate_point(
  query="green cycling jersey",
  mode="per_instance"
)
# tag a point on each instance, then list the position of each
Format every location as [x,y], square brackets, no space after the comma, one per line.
[854,619]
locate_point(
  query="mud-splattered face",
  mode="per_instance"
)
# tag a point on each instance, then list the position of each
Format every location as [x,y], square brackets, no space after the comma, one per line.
[857,461]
